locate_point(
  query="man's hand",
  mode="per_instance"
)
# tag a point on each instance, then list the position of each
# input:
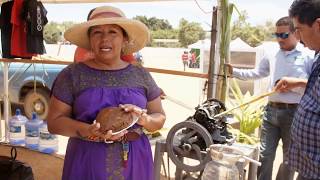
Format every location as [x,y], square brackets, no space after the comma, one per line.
[287,83]
[229,69]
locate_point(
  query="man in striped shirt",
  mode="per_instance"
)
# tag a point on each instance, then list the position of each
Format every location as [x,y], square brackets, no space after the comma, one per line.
[304,150]
[292,60]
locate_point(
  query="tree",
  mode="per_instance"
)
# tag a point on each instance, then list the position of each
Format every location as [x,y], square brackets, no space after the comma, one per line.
[268,28]
[65,25]
[154,23]
[52,33]
[253,35]
[142,19]
[159,28]
[165,34]
[190,32]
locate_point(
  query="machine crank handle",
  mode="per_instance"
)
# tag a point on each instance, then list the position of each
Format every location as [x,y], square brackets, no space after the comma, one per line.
[252,160]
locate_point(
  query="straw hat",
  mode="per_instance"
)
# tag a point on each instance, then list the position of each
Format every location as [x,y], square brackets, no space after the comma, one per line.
[137,32]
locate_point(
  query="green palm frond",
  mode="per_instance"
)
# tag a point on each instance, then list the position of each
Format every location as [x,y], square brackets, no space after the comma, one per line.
[249,117]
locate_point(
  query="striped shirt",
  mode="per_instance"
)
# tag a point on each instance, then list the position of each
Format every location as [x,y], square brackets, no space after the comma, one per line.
[304,150]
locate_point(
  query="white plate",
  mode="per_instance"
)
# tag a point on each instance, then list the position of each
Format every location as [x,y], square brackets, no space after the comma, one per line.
[135,119]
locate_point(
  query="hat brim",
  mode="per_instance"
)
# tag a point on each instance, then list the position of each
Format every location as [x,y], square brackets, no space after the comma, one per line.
[138,33]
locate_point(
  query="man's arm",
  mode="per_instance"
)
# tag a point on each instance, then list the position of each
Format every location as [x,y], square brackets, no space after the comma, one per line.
[287,83]
[263,70]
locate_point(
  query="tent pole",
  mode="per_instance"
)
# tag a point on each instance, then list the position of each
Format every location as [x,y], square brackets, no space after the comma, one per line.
[211,78]
[6,99]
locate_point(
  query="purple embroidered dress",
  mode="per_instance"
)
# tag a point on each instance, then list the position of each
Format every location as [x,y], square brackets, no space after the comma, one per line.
[88,90]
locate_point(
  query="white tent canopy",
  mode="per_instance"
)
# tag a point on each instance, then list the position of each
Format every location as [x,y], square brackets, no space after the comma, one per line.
[235,45]
[268,46]
[201,44]
[239,45]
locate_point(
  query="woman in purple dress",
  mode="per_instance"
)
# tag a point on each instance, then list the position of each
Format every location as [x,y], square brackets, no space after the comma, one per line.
[82,89]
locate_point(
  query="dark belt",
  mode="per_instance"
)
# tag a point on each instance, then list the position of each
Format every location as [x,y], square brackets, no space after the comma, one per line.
[282,105]
[131,135]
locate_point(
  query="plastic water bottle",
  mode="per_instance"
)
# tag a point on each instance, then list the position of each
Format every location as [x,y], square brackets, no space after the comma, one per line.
[17,130]
[32,132]
[48,143]
[223,164]
[220,171]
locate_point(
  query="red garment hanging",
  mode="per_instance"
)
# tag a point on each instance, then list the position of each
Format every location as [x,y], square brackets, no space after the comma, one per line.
[19,33]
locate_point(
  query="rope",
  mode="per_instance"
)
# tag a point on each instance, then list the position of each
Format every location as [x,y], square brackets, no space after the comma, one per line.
[176,101]
[206,12]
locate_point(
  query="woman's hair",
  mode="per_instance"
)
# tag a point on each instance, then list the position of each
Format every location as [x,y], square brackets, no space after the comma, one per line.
[90,12]
[306,11]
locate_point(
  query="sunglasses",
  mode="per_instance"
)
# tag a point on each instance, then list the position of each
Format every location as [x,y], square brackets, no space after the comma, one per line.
[281,35]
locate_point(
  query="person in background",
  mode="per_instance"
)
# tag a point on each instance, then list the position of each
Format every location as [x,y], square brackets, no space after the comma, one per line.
[82,89]
[81,55]
[304,150]
[139,58]
[184,58]
[192,59]
[292,60]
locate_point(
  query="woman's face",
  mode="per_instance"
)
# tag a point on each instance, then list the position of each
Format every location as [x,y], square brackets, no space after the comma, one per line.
[107,41]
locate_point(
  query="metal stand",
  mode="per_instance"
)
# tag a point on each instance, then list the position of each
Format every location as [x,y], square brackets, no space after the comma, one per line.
[158,156]
[249,151]
[6,100]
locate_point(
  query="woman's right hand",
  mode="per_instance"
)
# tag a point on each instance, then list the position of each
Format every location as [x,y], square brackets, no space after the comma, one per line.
[94,133]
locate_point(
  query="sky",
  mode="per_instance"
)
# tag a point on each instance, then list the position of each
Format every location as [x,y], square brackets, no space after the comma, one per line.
[259,11]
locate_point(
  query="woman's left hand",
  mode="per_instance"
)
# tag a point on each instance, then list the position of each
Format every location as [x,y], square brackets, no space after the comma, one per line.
[95,134]
[137,111]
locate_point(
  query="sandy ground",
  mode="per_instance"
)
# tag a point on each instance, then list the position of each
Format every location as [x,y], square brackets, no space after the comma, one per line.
[185,89]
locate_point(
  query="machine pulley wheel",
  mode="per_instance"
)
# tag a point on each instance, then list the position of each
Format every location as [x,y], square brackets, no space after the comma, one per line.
[181,144]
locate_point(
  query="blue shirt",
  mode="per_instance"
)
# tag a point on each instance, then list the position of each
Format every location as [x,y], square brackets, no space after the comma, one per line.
[304,150]
[295,63]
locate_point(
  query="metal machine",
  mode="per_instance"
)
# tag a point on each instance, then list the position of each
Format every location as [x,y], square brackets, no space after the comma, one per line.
[187,141]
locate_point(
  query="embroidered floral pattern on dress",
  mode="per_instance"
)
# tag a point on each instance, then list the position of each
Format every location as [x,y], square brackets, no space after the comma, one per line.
[114,161]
